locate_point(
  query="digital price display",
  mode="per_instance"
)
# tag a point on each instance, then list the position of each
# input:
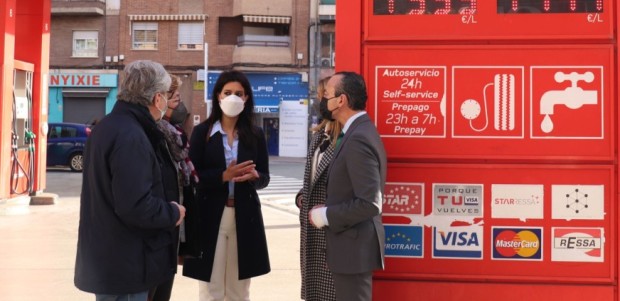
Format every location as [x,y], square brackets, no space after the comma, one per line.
[424,7]
[480,20]
[548,6]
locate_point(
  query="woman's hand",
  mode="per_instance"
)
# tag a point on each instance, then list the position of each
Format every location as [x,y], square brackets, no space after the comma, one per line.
[236,171]
[250,175]
[299,201]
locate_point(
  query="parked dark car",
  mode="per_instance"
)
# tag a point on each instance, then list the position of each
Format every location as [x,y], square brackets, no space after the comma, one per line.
[65,145]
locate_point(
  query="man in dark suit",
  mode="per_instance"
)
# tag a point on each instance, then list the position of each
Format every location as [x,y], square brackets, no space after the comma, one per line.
[352,211]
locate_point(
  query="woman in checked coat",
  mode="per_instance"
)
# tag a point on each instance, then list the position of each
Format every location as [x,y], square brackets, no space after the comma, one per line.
[316,279]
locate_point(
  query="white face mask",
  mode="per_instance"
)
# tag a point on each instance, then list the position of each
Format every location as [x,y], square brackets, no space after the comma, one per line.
[232,105]
[165,109]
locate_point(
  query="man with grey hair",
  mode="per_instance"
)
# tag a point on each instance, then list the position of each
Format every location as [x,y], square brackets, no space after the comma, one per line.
[126,239]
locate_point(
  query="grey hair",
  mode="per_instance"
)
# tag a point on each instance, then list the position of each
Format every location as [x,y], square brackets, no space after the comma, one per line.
[143,79]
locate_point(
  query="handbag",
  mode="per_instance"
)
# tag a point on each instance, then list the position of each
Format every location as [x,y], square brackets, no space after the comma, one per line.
[191,245]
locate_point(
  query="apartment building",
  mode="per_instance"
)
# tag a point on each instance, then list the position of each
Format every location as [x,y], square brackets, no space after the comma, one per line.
[82,84]
[275,42]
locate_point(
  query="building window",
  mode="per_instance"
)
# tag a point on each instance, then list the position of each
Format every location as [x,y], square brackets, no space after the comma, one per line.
[85,44]
[144,35]
[328,47]
[191,36]
[229,29]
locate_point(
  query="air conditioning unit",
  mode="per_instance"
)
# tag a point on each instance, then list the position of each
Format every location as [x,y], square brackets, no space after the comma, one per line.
[326,62]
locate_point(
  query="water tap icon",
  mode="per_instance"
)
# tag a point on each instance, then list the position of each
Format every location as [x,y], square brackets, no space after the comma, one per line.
[572,97]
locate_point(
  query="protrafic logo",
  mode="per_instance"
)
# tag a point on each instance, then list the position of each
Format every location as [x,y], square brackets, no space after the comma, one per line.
[404,241]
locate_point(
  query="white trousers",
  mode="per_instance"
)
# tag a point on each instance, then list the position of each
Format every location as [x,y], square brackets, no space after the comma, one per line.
[225,284]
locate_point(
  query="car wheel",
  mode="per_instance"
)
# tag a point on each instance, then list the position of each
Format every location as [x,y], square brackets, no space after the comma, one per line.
[76,162]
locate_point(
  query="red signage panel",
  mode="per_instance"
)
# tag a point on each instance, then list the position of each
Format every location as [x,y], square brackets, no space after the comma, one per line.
[493,102]
[500,222]
[413,100]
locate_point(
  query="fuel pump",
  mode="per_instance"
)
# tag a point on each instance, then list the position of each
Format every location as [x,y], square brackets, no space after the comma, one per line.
[22,136]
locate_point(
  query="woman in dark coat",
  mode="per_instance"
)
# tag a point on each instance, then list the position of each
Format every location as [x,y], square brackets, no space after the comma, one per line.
[230,156]
[317,283]
[177,148]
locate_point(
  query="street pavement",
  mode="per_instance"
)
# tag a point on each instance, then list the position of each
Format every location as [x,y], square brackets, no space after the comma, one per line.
[38,245]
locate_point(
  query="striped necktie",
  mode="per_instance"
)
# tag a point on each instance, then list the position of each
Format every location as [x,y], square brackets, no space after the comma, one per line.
[339,139]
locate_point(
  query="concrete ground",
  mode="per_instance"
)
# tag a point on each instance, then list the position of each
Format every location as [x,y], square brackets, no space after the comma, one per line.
[37,250]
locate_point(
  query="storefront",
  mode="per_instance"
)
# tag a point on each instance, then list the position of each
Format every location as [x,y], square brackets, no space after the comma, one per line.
[81,96]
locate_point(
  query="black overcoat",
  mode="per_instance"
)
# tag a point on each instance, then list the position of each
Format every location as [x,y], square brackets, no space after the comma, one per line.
[126,242]
[211,194]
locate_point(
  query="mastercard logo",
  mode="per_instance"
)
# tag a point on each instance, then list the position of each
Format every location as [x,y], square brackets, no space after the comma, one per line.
[516,243]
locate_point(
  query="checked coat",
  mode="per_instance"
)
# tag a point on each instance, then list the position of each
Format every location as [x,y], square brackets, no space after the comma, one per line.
[317,283]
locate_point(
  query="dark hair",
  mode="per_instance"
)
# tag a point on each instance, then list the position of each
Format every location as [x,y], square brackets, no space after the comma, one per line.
[353,86]
[245,123]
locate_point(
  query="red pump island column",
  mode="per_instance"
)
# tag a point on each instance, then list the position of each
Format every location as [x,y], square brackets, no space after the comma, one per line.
[499,119]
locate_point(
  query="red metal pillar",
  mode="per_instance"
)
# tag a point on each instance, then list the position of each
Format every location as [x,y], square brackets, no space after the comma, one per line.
[7,53]
[32,44]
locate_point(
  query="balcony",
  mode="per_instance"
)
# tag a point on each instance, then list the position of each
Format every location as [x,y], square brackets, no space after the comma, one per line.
[263,49]
[327,10]
[265,8]
[78,7]
[263,40]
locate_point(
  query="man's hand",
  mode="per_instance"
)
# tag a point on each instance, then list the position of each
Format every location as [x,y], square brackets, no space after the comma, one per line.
[317,224]
[181,212]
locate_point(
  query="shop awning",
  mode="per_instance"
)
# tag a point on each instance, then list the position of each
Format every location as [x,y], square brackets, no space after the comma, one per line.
[266,19]
[195,17]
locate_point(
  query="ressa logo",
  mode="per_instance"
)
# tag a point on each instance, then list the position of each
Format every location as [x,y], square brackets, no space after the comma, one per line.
[517,243]
[577,244]
[403,198]
[457,199]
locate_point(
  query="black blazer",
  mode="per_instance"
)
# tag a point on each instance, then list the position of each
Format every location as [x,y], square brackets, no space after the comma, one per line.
[211,194]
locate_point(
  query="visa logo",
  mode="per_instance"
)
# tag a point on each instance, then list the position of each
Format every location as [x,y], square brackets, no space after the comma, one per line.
[453,238]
